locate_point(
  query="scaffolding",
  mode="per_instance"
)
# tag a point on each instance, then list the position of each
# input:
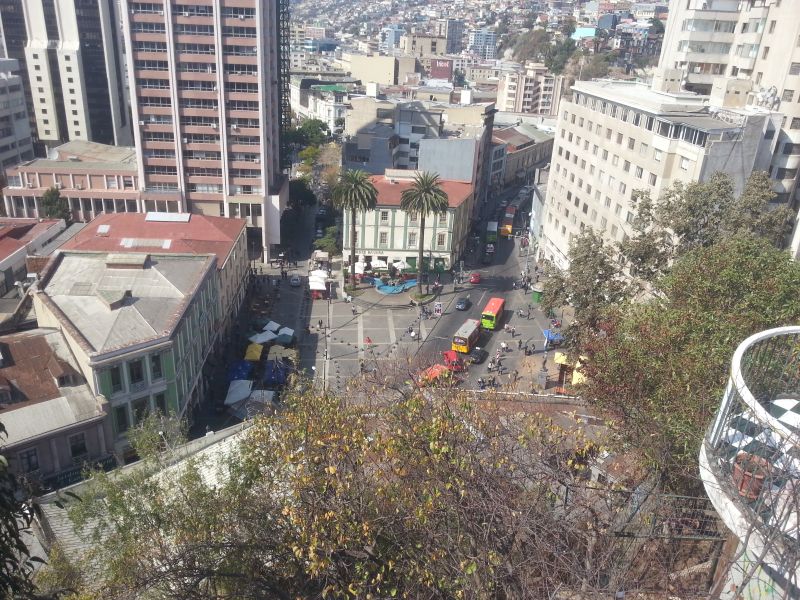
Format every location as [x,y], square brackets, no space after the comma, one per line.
[283,81]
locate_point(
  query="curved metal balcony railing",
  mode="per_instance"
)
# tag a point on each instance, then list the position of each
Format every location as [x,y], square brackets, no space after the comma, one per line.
[750,460]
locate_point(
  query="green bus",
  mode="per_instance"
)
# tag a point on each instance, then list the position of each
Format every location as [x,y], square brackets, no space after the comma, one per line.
[491,232]
[493,313]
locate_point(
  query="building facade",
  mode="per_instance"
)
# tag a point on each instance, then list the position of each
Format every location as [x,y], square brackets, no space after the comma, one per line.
[757,44]
[205,80]
[141,327]
[16,143]
[389,234]
[55,423]
[483,43]
[751,472]
[523,154]
[453,31]
[423,44]
[614,138]
[75,69]
[531,90]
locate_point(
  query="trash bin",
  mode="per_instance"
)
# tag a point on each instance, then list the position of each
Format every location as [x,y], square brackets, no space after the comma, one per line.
[536,293]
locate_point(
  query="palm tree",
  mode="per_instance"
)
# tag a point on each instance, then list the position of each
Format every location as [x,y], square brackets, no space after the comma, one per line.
[425,196]
[354,192]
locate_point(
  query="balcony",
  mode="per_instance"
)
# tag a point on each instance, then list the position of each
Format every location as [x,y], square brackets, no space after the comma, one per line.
[750,458]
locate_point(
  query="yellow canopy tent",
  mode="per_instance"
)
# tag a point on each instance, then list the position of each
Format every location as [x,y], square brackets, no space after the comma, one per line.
[253,352]
[577,377]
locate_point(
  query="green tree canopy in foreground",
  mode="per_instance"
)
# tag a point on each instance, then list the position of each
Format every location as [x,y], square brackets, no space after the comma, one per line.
[414,498]
[658,368]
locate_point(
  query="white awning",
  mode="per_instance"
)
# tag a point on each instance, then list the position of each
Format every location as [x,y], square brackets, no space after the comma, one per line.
[272,326]
[316,285]
[286,331]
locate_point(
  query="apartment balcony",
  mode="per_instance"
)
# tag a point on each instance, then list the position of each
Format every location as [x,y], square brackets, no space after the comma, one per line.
[750,458]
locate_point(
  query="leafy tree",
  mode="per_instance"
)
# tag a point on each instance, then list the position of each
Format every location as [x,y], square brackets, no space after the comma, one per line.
[647,247]
[459,78]
[415,498]
[309,155]
[330,175]
[568,27]
[425,196]
[16,517]
[597,66]
[330,241]
[592,284]
[53,207]
[659,367]
[301,194]
[656,26]
[532,45]
[314,131]
[557,56]
[356,193]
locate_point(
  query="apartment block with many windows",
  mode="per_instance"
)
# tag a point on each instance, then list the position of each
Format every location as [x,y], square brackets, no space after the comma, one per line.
[754,44]
[205,85]
[532,90]
[616,137]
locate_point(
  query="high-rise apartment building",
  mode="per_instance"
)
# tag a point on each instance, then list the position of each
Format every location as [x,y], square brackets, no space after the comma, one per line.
[389,37]
[453,31]
[532,90]
[756,43]
[15,132]
[616,137]
[12,32]
[206,80]
[75,70]
[483,43]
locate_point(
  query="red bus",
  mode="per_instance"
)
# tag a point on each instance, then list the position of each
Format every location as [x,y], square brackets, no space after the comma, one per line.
[493,313]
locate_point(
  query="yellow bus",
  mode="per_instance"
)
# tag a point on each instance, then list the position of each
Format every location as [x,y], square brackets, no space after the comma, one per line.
[467,336]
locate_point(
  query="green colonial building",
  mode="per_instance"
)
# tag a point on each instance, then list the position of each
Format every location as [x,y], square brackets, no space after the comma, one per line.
[141,327]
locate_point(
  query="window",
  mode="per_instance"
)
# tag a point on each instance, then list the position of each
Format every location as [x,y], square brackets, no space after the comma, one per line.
[605,155]
[615,160]
[789,148]
[772,26]
[140,406]
[626,166]
[620,137]
[631,143]
[160,402]
[155,366]
[383,238]
[657,154]
[384,216]
[77,445]
[759,75]
[794,68]
[684,164]
[622,187]
[795,124]
[440,240]
[29,460]
[116,379]
[136,372]
[785,173]
[787,95]
[443,219]
[765,53]
[412,239]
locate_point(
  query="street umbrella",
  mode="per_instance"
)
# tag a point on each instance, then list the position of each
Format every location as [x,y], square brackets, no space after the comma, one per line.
[378,264]
[400,265]
[272,326]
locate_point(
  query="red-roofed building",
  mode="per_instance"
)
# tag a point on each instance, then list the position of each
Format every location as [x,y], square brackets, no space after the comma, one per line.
[177,233]
[18,239]
[390,234]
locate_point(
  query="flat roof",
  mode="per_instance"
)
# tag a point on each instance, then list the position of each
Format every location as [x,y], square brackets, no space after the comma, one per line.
[637,94]
[84,155]
[90,289]
[389,193]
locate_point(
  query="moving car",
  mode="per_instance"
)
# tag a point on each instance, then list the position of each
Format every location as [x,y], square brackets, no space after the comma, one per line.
[438,375]
[463,304]
[477,356]
[475,277]
[294,281]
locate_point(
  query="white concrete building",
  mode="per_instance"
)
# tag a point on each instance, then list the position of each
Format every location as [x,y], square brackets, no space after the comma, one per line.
[482,42]
[616,137]
[531,89]
[16,145]
[75,67]
[754,46]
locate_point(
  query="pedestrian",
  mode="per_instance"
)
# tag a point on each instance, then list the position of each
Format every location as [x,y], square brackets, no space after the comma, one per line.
[355,311]
[519,344]
[528,315]
[515,373]
[513,331]
[319,323]
[504,346]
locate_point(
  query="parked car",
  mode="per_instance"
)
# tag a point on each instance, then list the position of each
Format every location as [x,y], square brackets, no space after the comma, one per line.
[463,303]
[294,281]
[475,277]
[477,356]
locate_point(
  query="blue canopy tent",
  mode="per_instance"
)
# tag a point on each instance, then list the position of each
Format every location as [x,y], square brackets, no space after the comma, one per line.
[240,370]
[552,338]
[275,373]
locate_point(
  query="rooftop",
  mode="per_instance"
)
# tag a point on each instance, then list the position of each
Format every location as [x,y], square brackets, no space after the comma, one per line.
[113,303]
[137,232]
[87,156]
[513,137]
[32,363]
[390,188]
